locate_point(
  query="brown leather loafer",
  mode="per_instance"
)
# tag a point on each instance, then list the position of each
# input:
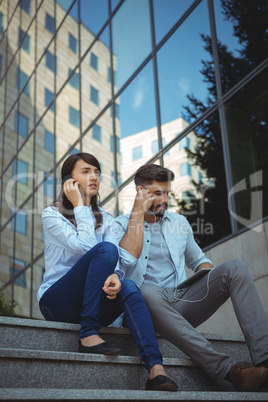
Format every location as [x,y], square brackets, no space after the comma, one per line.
[247,378]
[161,383]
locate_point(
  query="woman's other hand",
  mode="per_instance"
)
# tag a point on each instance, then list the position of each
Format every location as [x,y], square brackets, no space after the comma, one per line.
[73,193]
[112,286]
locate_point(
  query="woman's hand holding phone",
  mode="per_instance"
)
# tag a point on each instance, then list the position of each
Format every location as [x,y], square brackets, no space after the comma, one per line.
[72,191]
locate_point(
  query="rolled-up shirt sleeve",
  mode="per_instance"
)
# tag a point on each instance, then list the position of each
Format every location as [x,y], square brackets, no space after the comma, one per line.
[127,260]
[194,256]
[62,233]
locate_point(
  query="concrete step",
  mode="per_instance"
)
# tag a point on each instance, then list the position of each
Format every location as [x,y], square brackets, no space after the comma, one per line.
[55,336]
[33,368]
[32,394]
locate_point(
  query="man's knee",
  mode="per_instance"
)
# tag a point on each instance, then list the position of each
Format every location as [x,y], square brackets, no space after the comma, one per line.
[236,268]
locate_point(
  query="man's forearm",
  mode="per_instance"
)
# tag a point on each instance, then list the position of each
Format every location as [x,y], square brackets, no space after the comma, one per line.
[204,265]
[132,241]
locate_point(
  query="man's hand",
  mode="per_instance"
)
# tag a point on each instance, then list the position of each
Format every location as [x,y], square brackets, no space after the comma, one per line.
[143,200]
[112,286]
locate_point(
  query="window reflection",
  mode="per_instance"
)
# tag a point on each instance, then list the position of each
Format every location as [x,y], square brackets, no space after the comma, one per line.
[242,35]
[247,127]
[199,190]
[131,38]
[180,66]
[137,104]
[166,14]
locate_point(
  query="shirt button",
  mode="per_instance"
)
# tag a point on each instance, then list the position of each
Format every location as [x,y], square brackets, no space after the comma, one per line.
[147,241]
[146,226]
[146,258]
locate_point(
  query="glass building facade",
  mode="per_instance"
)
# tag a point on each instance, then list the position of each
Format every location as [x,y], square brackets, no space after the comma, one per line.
[181,83]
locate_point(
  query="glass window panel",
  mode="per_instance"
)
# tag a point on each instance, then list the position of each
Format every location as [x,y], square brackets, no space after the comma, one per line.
[117,139]
[155,147]
[93,100]
[242,35]
[1,23]
[50,23]
[74,80]
[74,117]
[21,124]
[20,171]
[185,169]
[96,133]
[128,36]
[68,120]
[137,153]
[1,63]
[16,266]
[94,61]
[185,143]
[49,141]
[101,150]
[72,43]
[49,96]
[137,104]
[200,202]
[51,61]
[22,248]
[94,95]
[166,14]
[22,78]
[49,185]
[247,129]
[19,222]
[181,76]
[67,57]
[25,39]
[26,5]
[93,15]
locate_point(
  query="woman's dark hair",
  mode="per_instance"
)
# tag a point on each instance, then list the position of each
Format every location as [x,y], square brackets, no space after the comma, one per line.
[64,205]
[146,174]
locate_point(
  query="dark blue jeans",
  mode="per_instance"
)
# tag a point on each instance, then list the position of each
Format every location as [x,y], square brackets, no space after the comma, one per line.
[78,297]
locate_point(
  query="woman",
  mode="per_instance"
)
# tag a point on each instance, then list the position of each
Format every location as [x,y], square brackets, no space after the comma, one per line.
[82,282]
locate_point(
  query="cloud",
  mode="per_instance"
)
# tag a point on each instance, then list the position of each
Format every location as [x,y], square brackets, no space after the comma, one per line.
[139,93]
[138,98]
[183,86]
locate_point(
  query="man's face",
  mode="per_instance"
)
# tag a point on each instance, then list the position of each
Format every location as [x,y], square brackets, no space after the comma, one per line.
[160,192]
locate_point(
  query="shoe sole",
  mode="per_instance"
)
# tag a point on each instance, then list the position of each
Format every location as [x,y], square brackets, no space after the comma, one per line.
[113,352]
[166,387]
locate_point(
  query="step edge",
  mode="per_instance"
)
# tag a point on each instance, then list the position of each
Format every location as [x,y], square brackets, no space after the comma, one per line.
[72,394]
[42,324]
[82,357]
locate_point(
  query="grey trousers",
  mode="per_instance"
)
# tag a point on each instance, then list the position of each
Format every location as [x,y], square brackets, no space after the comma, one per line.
[176,319]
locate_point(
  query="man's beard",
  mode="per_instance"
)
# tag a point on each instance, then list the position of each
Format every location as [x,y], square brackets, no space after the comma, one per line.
[159,213]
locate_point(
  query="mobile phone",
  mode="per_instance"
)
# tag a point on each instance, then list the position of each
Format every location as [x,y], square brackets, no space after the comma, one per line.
[66,178]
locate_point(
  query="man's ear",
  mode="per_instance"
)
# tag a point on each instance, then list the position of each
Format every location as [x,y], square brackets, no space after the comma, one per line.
[140,188]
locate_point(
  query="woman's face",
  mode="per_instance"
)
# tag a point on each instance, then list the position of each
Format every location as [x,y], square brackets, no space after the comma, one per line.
[88,178]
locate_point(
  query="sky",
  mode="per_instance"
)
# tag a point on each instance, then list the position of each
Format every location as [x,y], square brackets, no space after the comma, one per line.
[178,61]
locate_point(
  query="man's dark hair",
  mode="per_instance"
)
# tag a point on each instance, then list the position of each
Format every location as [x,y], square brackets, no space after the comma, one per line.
[146,174]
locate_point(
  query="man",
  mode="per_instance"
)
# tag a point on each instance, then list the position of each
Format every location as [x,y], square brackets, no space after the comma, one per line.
[154,245]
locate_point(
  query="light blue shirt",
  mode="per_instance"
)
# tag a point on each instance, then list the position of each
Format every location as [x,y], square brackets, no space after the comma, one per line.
[160,267]
[66,244]
[180,242]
